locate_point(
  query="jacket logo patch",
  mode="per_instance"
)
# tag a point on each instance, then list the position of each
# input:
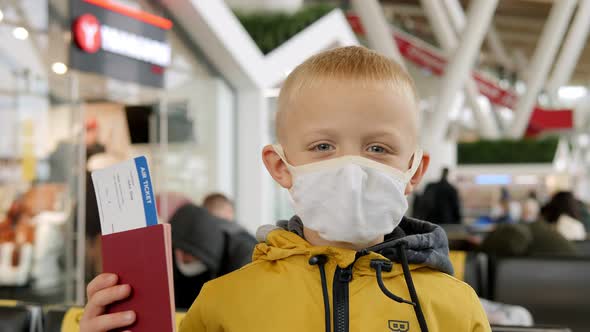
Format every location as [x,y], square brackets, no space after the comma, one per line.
[398,326]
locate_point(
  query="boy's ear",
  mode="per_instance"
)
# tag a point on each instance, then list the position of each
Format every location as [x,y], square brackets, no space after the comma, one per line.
[417,178]
[276,167]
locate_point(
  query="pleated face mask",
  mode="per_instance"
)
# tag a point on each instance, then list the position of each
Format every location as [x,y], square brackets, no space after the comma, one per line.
[351,198]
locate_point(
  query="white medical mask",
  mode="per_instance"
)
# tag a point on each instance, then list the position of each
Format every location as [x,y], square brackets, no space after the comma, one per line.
[351,198]
[191,269]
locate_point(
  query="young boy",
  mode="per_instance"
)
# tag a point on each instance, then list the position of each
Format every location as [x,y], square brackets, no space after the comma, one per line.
[347,124]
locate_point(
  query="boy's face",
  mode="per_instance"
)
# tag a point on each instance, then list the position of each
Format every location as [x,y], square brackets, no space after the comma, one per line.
[338,118]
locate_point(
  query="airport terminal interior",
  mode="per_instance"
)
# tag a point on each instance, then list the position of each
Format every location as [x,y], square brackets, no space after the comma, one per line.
[503,109]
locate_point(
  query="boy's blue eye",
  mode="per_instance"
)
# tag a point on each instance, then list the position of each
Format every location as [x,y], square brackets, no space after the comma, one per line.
[323,147]
[376,149]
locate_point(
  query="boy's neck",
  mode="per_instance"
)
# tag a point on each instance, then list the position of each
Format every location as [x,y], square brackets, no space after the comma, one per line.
[314,238]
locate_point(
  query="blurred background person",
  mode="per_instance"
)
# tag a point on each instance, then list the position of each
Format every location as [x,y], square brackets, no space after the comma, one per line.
[93,145]
[174,201]
[563,212]
[531,239]
[440,202]
[530,208]
[220,206]
[62,157]
[204,247]
[545,236]
[507,210]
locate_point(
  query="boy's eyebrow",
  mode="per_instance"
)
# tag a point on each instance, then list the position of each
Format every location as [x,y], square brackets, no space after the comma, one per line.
[391,133]
[394,136]
[312,131]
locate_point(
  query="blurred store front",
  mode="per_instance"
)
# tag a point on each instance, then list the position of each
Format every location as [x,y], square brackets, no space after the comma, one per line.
[78,92]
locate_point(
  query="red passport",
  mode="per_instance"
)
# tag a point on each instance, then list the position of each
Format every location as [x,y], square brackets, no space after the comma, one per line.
[142,258]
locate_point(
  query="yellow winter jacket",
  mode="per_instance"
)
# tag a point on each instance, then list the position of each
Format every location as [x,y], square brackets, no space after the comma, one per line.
[294,286]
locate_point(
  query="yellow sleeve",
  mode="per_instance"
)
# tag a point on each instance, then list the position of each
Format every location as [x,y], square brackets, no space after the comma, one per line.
[194,321]
[479,319]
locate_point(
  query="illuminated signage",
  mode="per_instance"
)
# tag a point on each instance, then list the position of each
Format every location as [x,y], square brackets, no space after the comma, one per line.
[119,42]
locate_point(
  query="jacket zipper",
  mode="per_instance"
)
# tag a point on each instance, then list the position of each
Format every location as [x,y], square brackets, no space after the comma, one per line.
[342,278]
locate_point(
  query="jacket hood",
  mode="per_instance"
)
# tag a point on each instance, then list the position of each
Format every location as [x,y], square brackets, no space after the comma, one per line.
[425,244]
[200,234]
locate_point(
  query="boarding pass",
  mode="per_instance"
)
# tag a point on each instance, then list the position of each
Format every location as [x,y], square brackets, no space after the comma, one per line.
[125,196]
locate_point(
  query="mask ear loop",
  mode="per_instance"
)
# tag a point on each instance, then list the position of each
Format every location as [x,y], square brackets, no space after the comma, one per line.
[279,150]
[415,164]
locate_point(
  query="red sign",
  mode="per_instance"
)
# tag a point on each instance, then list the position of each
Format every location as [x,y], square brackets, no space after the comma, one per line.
[139,15]
[87,33]
[543,119]
[422,57]
[428,57]
[108,37]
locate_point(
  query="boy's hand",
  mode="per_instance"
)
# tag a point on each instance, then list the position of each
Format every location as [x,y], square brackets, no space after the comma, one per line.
[102,291]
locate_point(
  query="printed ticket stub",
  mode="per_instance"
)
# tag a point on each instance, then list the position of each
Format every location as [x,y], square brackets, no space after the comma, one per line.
[125,196]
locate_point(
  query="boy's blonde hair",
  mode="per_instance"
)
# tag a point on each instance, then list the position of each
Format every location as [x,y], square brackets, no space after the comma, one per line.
[356,63]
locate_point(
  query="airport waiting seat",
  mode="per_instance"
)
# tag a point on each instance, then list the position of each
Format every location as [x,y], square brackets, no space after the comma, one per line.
[54,317]
[556,290]
[471,267]
[19,317]
[64,319]
[15,319]
[583,247]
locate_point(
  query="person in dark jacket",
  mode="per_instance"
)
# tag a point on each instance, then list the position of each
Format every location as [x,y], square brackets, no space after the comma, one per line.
[563,213]
[440,202]
[538,238]
[205,247]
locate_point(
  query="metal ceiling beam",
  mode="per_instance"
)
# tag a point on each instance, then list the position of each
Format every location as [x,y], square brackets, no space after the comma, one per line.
[446,34]
[499,19]
[461,63]
[498,48]
[540,64]
[572,48]
[377,29]
[486,121]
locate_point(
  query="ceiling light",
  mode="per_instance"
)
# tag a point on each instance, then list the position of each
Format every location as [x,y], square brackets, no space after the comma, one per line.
[560,165]
[584,140]
[59,68]
[493,179]
[572,92]
[1,15]
[20,33]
